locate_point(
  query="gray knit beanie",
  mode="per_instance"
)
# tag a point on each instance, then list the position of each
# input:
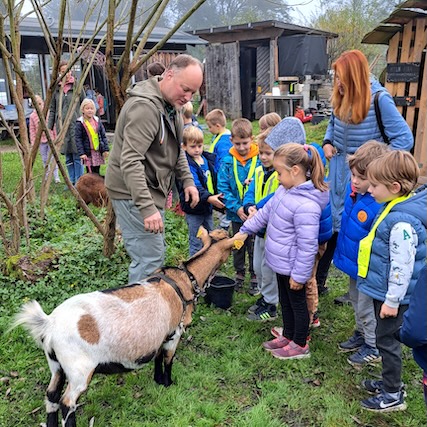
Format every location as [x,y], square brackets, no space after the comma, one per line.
[290,129]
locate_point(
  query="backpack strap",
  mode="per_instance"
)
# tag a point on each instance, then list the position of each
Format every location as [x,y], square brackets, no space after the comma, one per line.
[379,119]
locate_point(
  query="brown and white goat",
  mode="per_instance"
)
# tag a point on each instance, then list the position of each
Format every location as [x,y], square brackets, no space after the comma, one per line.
[117,330]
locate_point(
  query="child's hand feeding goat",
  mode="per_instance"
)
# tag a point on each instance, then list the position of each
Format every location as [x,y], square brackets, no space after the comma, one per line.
[118,330]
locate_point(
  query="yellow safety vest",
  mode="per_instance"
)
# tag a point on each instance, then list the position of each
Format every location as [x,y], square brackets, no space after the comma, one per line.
[270,186]
[365,245]
[209,182]
[240,187]
[93,135]
[214,142]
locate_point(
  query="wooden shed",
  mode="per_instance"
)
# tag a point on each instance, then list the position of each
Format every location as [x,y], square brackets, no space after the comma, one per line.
[243,62]
[405,32]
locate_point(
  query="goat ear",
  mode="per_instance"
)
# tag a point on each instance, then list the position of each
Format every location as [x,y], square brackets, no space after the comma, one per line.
[203,235]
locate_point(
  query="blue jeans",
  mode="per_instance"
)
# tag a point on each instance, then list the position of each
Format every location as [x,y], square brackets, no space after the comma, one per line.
[146,250]
[194,222]
[74,167]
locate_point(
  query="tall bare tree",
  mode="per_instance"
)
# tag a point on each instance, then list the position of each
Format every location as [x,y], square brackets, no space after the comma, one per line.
[351,20]
[103,18]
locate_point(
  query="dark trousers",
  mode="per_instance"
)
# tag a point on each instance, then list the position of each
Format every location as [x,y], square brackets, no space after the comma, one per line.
[390,347]
[325,261]
[296,319]
[239,256]
[93,169]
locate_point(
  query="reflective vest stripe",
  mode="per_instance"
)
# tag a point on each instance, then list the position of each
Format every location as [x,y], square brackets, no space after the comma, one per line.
[365,245]
[270,186]
[209,182]
[240,187]
[214,142]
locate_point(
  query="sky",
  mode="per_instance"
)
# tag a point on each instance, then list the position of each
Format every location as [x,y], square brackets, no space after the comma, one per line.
[303,10]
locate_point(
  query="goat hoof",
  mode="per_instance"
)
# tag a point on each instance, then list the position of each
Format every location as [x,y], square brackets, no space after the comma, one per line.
[159,380]
[167,382]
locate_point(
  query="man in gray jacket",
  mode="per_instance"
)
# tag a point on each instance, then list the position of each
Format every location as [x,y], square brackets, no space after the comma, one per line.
[146,155]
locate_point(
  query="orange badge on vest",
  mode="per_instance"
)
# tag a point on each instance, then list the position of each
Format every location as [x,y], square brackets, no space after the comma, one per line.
[362,216]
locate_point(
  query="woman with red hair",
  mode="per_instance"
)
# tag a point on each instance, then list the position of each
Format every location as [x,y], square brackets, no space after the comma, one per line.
[352,123]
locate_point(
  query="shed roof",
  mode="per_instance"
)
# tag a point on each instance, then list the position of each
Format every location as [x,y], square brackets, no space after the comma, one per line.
[404,13]
[256,30]
[30,27]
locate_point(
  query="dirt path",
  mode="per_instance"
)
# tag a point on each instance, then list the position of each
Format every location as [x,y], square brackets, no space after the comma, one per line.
[7,148]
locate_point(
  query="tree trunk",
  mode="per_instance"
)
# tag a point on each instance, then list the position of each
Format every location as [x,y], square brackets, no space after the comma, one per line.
[109,231]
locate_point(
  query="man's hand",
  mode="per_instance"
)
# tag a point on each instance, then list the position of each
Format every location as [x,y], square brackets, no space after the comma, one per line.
[387,311]
[154,223]
[295,286]
[192,193]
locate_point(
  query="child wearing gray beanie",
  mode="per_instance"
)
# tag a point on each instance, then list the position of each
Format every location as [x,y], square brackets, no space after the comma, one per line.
[290,129]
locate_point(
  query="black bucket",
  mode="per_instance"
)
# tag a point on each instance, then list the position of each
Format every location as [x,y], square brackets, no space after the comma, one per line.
[220,292]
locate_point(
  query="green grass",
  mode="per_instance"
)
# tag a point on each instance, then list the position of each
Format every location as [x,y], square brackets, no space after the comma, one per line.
[222,376]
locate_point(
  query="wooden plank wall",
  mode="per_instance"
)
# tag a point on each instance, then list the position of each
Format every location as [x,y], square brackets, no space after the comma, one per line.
[223,79]
[164,57]
[262,77]
[408,46]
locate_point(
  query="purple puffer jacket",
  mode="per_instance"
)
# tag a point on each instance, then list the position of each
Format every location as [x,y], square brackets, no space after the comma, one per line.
[292,219]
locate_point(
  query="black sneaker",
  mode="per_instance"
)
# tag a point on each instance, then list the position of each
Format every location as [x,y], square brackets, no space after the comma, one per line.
[343,299]
[353,343]
[253,286]
[364,356]
[258,303]
[385,402]
[263,313]
[239,279]
[253,289]
[376,386]
[322,289]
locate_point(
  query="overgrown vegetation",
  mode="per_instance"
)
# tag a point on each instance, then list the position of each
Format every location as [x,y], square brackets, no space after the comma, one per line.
[222,375]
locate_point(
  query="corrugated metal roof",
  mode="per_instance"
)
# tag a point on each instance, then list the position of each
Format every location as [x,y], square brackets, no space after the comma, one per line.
[404,13]
[259,26]
[31,27]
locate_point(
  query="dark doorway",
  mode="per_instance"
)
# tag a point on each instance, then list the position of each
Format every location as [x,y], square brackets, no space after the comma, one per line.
[248,81]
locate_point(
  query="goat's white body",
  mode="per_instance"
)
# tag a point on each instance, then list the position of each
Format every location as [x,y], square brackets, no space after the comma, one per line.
[130,330]
[121,328]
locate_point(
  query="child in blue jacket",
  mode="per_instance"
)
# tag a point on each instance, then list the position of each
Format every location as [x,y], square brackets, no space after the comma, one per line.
[413,332]
[390,260]
[202,167]
[236,173]
[263,186]
[360,209]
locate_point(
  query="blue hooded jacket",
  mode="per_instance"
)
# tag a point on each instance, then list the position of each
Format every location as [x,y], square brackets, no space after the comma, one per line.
[347,138]
[359,213]
[412,211]
[414,328]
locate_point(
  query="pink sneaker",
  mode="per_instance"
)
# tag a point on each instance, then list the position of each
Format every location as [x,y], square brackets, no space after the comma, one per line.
[276,331]
[292,351]
[276,343]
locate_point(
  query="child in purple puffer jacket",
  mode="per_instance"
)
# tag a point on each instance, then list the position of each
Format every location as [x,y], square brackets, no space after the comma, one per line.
[292,218]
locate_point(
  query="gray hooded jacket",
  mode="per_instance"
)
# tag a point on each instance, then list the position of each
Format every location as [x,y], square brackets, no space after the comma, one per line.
[146,150]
